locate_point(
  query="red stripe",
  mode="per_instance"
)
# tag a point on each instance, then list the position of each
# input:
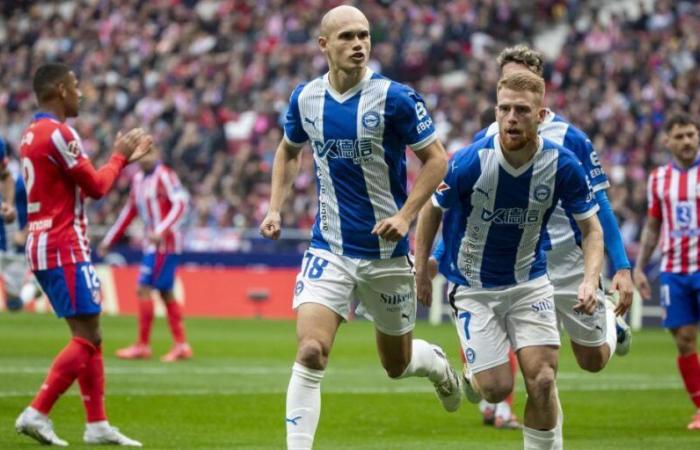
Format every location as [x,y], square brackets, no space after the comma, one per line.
[668,267]
[158,266]
[685,240]
[69,274]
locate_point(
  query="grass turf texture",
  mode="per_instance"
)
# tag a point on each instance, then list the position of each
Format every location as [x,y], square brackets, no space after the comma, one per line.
[232,394]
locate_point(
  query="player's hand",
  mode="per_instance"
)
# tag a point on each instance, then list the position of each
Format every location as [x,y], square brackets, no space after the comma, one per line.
[7,211]
[19,238]
[586,298]
[424,288]
[271,226]
[142,148]
[126,143]
[155,238]
[393,228]
[640,279]
[622,283]
[102,250]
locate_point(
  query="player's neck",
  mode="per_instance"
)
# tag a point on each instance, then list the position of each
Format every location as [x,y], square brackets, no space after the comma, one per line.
[522,156]
[55,109]
[343,81]
[685,164]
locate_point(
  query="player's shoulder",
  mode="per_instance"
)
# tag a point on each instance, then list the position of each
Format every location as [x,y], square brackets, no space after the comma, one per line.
[489,131]
[572,133]
[564,154]
[470,153]
[399,92]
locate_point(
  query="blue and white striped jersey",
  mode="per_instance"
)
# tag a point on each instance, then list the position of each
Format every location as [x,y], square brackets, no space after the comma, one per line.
[8,229]
[496,214]
[562,228]
[358,140]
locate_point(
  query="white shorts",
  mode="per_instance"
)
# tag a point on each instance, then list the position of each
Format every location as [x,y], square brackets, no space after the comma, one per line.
[386,288]
[491,321]
[565,271]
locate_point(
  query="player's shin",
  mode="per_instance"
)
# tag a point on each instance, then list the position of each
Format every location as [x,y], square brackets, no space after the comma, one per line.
[146,315]
[65,369]
[689,367]
[177,328]
[92,388]
[303,407]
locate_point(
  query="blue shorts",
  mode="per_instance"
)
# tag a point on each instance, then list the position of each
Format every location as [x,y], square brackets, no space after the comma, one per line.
[680,297]
[158,270]
[73,290]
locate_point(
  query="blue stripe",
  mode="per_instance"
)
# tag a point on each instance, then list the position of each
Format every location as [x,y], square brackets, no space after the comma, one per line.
[356,211]
[317,240]
[395,158]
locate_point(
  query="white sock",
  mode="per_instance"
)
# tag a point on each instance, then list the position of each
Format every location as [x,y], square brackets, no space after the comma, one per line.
[610,327]
[503,410]
[537,439]
[425,362]
[95,426]
[559,428]
[484,406]
[303,407]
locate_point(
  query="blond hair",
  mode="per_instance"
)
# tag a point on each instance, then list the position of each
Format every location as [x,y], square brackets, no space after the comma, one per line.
[522,81]
[522,54]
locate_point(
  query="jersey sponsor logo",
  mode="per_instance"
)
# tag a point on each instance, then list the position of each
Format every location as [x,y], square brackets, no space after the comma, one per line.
[542,192]
[512,216]
[357,150]
[40,225]
[543,306]
[395,299]
[371,120]
[424,125]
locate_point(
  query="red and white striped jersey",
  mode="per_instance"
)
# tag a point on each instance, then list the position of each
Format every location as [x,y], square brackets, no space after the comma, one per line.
[159,199]
[58,176]
[673,197]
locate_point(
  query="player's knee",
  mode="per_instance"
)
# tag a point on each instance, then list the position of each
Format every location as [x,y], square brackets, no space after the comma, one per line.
[312,354]
[686,342]
[591,362]
[543,383]
[143,292]
[495,392]
[396,368]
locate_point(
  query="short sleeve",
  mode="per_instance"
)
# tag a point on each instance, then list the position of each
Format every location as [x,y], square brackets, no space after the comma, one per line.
[653,200]
[68,145]
[411,118]
[294,132]
[578,142]
[447,193]
[575,191]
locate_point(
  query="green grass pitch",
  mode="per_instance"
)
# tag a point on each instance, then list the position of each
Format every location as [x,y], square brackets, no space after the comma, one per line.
[232,394]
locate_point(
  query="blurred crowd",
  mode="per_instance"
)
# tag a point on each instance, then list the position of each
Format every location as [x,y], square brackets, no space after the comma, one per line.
[211,79]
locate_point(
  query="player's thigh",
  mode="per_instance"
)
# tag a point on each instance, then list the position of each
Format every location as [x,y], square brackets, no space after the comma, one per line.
[387,291]
[73,290]
[317,325]
[147,270]
[325,279]
[480,322]
[679,300]
[587,330]
[531,319]
[164,273]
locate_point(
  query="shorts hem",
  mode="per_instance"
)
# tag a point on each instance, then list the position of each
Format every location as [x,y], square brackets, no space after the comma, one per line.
[678,325]
[296,306]
[474,370]
[403,331]
[553,343]
[589,344]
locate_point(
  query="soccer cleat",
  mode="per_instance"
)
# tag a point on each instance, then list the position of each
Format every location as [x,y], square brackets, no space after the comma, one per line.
[448,389]
[38,427]
[467,389]
[624,337]
[510,423]
[136,351]
[695,423]
[104,433]
[488,412]
[179,351]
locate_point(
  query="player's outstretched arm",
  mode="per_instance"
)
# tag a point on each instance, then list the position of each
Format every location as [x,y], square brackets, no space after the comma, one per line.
[649,240]
[593,254]
[428,224]
[434,161]
[284,170]
[96,183]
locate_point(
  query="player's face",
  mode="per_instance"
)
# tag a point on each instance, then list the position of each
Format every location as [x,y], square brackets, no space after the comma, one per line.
[348,44]
[518,113]
[70,94]
[684,142]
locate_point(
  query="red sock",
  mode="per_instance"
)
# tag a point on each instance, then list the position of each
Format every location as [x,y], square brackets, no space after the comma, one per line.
[175,321]
[92,387]
[66,367]
[513,360]
[690,371]
[145,320]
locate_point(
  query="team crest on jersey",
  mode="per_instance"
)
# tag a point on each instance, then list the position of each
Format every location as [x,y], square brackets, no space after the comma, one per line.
[442,188]
[74,149]
[371,120]
[299,287]
[471,355]
[542,192]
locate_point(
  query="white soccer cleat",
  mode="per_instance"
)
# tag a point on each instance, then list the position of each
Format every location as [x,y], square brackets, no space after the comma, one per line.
[104,433]
[448,390]
[624,337]
[38,427]
[467,389]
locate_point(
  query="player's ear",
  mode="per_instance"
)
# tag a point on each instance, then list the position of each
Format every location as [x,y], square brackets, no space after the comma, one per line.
[541,114]
[322,43]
